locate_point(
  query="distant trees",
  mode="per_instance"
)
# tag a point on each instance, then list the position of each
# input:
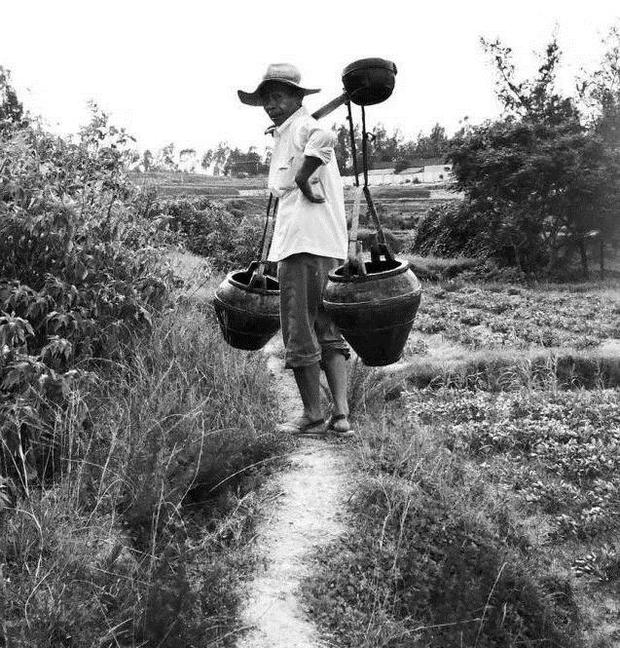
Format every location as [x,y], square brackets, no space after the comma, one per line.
[216,158]
[221,160]
[165,160]
[434,145]
[388,147]
[245,164]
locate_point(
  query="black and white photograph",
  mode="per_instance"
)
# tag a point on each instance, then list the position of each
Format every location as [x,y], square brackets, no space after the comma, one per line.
[309,324]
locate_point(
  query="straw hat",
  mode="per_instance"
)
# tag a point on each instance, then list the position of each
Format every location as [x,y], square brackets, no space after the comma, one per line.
[280,72]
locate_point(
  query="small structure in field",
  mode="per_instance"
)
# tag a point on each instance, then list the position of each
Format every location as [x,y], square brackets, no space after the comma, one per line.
[425,171]
[382,173]
[419,171]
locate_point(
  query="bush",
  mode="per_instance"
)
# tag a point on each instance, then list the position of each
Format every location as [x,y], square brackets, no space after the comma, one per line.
[448,230]
[211,231]
[79,276]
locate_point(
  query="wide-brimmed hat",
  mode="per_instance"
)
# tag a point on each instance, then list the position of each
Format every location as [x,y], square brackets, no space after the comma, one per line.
[280,72]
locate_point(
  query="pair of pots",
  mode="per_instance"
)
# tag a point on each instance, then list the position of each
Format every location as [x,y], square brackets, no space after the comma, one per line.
[374,312]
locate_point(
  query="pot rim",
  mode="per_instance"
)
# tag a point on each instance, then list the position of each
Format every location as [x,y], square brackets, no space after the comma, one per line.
[246,288]
[402,267]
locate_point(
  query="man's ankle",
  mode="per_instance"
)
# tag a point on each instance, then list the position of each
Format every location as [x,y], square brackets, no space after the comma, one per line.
[313,415]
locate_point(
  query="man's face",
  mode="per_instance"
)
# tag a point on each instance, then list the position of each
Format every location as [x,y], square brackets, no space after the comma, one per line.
[280,101]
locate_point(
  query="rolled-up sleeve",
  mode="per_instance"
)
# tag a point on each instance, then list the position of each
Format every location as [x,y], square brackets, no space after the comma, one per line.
[320,144]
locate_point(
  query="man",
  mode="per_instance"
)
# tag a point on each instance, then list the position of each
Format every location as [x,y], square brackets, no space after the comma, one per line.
[310,239]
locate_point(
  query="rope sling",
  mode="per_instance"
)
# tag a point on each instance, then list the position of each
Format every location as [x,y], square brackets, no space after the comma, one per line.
[354,263]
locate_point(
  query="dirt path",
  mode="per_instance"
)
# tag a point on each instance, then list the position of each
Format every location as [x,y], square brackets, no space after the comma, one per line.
[308,513]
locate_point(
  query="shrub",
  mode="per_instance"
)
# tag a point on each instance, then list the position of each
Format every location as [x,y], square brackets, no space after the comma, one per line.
[79,275]
[449,230]
[211,231]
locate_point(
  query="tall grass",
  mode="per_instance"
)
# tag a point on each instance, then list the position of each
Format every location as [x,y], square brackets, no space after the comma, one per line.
[130,542]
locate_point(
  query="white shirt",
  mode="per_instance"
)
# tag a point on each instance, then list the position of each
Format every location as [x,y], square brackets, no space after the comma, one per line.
[301,225]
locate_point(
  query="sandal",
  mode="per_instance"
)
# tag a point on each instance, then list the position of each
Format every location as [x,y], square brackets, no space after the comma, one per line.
[302,425]
[339,425]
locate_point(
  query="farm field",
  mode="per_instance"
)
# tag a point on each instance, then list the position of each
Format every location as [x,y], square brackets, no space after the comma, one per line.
[487,502]
[504,317]
[401,206]
[195,184]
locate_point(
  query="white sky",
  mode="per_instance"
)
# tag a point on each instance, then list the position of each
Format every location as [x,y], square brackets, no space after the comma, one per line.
[168,71]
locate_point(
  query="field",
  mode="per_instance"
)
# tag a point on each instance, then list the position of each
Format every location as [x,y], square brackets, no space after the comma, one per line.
[399,207]
[502,327]
[487,496]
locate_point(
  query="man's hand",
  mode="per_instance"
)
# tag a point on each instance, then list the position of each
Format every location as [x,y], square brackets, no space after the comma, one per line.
[309,166]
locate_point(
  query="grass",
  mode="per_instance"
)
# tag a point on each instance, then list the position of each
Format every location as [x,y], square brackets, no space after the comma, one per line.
[476,522]
[504,370]
[434,268]
[491,315]
[140,537]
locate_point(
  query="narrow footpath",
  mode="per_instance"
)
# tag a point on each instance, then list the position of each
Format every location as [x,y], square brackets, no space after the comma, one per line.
[308,513]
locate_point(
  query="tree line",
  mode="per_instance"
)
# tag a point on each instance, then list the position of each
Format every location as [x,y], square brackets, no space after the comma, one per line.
[383,147]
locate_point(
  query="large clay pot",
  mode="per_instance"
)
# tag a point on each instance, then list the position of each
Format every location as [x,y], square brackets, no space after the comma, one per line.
[369,81]
[375,311]
[249,316]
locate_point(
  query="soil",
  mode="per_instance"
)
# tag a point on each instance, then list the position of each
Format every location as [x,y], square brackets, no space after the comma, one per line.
[308,513]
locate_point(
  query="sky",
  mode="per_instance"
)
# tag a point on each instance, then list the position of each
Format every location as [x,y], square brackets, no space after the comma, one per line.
[169,71]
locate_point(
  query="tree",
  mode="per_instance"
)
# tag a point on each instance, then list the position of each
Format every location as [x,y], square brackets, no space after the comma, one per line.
[147,160]
[166,158]
[220,157]
[187,160]
[342,149]
[11,109]
[207,159]
[384,147]
[537,178]
[600,92]
[240,164]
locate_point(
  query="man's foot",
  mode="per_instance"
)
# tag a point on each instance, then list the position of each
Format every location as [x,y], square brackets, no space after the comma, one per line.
[302,425]
[339,426]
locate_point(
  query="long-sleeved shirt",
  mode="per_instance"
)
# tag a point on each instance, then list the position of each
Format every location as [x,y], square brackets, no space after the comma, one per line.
[301,225]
